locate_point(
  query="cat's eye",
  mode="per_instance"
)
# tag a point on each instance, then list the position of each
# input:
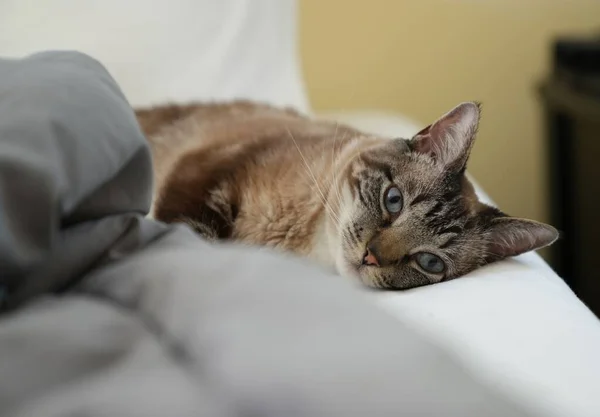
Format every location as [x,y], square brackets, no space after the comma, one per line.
[430,263]
[393,200]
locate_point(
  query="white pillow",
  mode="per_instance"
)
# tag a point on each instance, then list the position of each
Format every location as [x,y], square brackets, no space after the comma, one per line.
[162,50]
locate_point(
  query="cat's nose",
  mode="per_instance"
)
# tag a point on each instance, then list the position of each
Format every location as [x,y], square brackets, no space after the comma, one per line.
[370,258]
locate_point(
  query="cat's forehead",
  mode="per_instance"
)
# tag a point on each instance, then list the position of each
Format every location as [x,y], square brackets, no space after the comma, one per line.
[420,177]
[447,188]
[396,159]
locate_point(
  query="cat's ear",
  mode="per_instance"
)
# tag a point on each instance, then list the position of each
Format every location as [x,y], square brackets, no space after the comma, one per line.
[510,236]
[450,138]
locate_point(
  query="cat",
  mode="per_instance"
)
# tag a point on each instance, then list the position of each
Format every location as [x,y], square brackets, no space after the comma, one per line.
[394,213]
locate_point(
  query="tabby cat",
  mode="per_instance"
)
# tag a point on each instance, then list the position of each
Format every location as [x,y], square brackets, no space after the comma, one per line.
[396,213]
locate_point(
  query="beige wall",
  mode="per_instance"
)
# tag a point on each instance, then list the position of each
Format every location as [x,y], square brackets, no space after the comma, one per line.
[421,57]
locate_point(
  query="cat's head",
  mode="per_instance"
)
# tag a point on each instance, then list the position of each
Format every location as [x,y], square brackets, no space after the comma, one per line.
[410,217]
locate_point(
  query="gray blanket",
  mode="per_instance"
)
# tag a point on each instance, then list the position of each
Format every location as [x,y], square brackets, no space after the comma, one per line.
[108,313]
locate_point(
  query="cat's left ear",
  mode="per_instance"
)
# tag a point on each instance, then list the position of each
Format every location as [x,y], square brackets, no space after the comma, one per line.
[511,236]
[449,140]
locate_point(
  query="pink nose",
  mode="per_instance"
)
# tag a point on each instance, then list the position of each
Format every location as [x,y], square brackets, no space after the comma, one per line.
[370,259]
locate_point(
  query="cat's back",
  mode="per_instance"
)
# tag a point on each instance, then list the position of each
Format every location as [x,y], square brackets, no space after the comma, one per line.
[212,121]
[242,129]
[174,131]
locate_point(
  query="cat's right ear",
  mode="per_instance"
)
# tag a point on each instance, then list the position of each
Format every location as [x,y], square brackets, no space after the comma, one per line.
[450,138]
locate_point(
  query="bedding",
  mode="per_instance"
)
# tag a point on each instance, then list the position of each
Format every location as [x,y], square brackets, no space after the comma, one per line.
[111,313]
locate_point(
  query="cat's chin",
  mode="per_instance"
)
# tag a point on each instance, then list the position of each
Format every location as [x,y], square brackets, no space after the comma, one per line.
[364,276]
[345,267]
[352,268]
[355,270]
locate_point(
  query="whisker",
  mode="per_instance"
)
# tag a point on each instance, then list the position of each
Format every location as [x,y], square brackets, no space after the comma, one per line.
[315,190]
[309,171]
[335,179]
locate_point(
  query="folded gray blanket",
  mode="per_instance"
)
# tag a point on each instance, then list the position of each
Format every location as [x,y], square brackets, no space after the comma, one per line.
[107,313]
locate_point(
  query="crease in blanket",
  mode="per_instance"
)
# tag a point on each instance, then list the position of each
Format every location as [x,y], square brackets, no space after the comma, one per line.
[67,203]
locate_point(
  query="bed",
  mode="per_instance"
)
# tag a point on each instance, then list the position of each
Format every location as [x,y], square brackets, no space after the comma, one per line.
[515,324]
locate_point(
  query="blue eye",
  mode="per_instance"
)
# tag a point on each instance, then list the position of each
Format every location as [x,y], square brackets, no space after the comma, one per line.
[393,200]
[430,263]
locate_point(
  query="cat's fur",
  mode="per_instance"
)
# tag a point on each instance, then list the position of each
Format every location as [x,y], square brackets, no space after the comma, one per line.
[269,176]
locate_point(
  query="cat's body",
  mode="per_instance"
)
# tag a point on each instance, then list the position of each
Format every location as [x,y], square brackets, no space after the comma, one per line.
[272,177]
[263,168]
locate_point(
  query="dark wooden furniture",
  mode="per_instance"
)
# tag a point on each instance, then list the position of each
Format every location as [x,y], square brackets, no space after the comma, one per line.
[572,117]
